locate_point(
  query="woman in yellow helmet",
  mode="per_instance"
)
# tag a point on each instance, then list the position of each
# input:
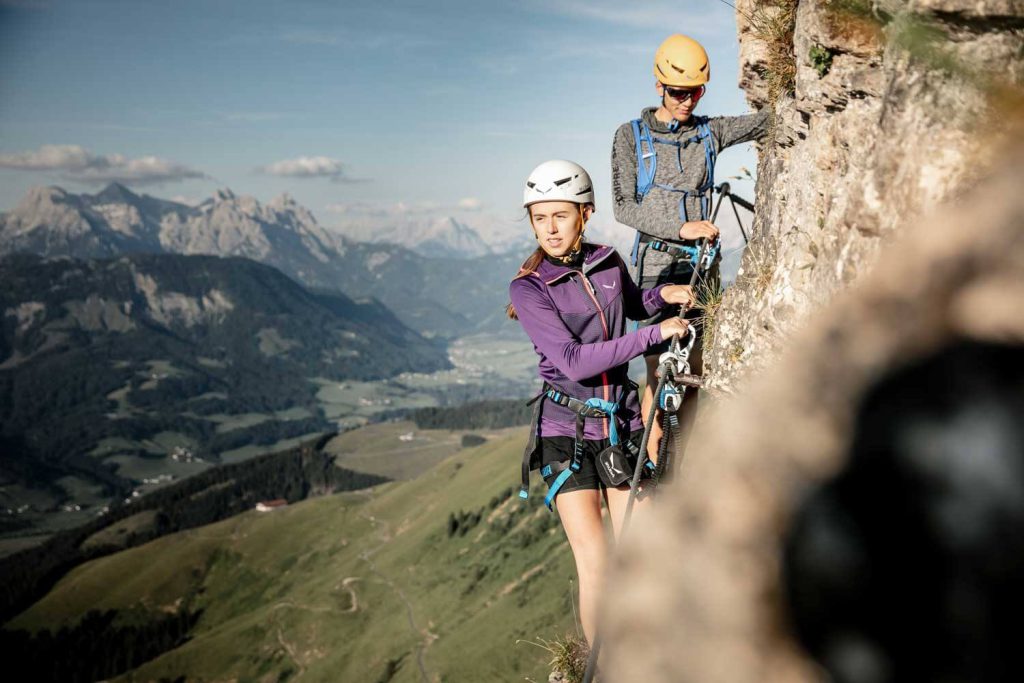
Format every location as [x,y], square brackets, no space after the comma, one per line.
[662,181]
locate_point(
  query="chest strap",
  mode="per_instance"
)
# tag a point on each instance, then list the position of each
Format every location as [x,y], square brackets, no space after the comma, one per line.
[647,168]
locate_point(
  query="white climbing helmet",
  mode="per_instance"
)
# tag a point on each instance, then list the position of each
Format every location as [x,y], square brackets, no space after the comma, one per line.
[558,181]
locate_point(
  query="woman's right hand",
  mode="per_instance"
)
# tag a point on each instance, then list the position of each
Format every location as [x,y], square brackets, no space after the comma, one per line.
[672,327]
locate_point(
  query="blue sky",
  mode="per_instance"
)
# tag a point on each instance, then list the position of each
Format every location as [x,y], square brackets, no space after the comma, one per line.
[410,103]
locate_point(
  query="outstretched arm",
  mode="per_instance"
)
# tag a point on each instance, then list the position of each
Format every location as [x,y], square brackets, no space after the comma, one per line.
[734,130]
[576,360]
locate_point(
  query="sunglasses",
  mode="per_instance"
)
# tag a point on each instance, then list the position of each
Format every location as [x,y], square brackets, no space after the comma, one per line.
[683,94]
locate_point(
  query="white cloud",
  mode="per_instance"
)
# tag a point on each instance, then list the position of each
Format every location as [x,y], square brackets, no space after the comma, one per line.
[470,204]
[310,167]
[76,163]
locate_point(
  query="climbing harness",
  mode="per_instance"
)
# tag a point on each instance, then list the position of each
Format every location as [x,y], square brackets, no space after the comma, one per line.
[688,254]
[691,255]
[591,408]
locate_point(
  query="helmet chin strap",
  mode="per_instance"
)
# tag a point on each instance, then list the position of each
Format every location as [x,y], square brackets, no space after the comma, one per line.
[574,251]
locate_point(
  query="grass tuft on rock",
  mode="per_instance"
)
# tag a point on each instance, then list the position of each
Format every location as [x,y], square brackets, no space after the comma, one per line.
[773,21]
[568,657]
[708,294]
[758,268]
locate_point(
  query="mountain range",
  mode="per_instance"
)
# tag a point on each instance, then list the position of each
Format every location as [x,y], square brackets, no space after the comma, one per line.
[428,236]
[132,350]
[461,289]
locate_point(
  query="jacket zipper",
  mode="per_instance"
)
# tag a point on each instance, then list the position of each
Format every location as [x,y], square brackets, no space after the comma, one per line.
[591,292]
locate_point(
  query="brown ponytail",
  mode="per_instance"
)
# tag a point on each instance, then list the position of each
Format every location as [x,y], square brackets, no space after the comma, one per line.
[529,267]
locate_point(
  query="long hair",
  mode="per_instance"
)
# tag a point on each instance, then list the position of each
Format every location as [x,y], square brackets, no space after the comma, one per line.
[533,261]
[529,267]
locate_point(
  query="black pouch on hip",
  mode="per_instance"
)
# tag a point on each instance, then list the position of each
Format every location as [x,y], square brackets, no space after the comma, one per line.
[615,466]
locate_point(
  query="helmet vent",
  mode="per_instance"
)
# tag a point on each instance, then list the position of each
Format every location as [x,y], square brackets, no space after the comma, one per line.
[557,180]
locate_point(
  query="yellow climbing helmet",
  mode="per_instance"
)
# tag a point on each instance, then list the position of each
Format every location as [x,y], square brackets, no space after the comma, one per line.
[681,62]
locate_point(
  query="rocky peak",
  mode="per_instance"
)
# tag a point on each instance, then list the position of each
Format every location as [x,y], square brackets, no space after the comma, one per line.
[116,193]
[447,236]
[42,196]
[283,201]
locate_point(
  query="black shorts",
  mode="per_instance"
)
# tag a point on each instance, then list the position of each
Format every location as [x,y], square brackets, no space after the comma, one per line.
[555,449]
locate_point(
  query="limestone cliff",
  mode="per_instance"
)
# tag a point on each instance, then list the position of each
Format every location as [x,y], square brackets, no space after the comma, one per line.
[888,230]
[891,113]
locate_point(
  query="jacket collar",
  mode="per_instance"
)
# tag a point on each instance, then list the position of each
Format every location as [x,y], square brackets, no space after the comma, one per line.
[593,254]
[657,126]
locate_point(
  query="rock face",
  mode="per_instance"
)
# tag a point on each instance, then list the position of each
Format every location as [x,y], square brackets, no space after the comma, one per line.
[888,231]
[875,133]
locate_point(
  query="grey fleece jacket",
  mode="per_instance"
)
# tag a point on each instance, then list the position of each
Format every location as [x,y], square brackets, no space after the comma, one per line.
[658,214]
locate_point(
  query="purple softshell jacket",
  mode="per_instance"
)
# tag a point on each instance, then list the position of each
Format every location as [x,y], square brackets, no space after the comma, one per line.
[576,319]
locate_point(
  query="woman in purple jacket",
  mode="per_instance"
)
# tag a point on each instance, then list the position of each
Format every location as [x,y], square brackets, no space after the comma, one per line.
[572,299]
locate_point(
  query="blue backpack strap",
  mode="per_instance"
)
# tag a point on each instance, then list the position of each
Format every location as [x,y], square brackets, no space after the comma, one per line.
[710,158]
[646,160]
[634,253]
[644,179]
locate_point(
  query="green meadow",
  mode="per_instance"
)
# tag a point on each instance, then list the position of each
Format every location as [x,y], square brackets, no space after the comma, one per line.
[444,577]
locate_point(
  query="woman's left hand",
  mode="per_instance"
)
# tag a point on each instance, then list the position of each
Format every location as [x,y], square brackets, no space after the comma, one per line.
[680,295]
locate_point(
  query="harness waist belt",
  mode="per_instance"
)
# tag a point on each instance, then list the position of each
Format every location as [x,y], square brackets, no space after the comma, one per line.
[591,408]
[681,251]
